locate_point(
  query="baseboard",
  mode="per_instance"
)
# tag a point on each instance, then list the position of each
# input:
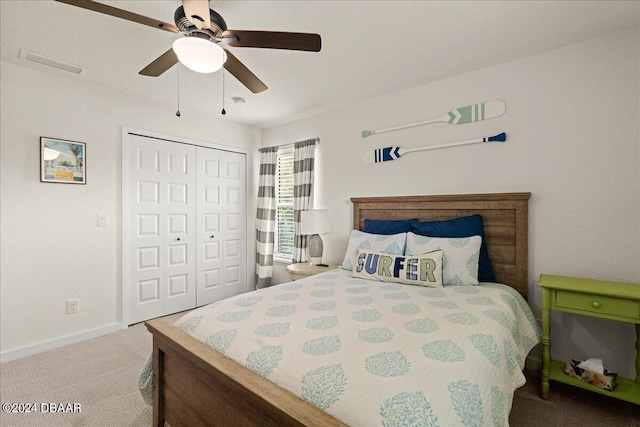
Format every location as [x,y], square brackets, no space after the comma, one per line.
[30,350]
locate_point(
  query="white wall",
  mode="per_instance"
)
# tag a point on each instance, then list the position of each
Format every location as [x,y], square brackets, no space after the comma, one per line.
[573,142]
[52,249]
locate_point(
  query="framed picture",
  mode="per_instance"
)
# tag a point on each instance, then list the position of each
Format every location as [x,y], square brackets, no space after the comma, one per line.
[63,161]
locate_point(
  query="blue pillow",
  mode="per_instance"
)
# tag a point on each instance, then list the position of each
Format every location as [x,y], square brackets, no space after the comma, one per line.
[460,227]
[386,226]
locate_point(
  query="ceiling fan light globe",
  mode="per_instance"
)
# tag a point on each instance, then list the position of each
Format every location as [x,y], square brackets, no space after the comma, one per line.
[200,55]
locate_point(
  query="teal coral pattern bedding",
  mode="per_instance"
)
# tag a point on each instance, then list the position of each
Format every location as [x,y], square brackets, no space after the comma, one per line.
[378,354]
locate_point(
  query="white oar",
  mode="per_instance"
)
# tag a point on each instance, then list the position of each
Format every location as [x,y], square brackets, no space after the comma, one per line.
[468,114]
[391,153]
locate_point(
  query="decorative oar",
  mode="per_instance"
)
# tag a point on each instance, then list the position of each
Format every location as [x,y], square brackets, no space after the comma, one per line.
[468,114]
[391,153]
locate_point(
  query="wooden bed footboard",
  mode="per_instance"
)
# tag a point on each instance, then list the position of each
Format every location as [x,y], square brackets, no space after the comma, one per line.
[195,385]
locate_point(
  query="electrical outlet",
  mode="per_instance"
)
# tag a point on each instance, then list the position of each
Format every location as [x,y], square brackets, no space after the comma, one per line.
[73,306]
[103,220]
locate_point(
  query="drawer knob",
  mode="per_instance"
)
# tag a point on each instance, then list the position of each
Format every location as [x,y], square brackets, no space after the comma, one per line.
[595,304]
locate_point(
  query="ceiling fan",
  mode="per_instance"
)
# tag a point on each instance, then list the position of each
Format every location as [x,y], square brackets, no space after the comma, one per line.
[204,29]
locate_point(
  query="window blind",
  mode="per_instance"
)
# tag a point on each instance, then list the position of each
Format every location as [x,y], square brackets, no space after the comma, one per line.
[285,227]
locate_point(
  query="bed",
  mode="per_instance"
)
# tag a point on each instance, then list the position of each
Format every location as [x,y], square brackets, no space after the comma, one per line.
[446,356]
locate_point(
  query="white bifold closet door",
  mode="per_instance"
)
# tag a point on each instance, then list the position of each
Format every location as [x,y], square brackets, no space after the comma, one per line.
[221,226]
[186,210]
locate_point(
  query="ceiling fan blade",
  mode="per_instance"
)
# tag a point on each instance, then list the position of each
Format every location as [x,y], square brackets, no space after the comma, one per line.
[273,40]
[243,74]
[197,11]
[123,14]
[160,65]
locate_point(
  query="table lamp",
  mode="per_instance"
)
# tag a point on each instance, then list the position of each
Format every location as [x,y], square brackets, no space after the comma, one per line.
[313,223]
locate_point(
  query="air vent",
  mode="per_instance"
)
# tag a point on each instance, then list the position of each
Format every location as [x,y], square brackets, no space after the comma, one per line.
[52,63]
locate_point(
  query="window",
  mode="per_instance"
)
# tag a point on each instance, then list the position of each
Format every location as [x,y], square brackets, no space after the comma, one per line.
[285,227]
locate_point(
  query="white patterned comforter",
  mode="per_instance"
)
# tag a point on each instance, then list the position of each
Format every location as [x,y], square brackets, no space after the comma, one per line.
[373,353]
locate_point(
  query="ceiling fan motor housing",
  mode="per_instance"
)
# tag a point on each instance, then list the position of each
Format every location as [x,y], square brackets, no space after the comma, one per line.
[218,26]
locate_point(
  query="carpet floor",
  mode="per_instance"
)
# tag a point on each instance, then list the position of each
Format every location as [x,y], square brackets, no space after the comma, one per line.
[101,376]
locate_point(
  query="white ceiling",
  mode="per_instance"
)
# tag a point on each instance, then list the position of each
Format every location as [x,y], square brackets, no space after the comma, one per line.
[369,48]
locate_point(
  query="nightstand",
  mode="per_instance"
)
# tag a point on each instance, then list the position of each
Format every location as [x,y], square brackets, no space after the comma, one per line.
[304,269]
[594,298]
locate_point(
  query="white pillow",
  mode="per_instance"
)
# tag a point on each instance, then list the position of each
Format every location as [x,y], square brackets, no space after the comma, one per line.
[460,262]
[391,243]
[420,270]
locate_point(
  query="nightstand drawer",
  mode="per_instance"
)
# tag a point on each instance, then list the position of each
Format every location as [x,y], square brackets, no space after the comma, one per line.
[598,304]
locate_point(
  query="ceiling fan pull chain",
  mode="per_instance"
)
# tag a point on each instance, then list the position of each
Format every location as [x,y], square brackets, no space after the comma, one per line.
[178,112]
[223,110]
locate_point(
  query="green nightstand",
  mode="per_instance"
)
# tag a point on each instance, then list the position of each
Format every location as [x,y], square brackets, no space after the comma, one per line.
[594,298]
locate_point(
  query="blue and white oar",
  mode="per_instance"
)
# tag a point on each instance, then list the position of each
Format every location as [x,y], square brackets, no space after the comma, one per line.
[391,153]
[468,114]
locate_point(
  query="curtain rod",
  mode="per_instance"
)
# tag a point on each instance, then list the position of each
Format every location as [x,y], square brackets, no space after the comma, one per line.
[316,139]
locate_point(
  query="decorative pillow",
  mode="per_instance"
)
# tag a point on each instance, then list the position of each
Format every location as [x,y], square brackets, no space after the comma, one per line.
[393,244]
[421,270]
[460,227]
[388,226]
[460,261]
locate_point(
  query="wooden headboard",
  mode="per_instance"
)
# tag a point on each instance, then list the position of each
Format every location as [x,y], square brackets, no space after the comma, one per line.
[505,218]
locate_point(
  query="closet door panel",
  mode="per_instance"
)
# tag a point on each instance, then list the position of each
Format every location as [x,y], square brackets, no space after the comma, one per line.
[161,239]
[209,226]
[234,223]
[180,268]
[146,192]
[221,209]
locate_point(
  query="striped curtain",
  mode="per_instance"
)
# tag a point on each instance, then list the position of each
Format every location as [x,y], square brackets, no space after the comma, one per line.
[303,165]
[265,219]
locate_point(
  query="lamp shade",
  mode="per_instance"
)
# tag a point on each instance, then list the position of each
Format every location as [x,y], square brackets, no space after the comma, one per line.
[314,221]
[200,55]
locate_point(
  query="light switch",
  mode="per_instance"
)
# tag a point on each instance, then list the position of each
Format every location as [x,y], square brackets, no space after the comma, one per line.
[103,220]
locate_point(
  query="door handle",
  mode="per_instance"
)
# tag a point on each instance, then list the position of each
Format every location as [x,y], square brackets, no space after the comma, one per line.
[212,236]
[178,239]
